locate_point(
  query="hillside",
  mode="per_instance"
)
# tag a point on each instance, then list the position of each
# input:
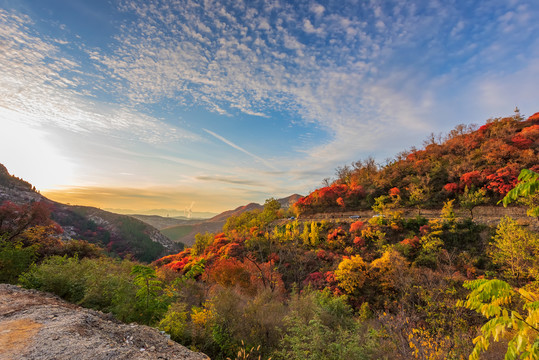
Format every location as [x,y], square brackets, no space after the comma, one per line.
[470,164]
[378,261]
[161,222]
[119,234]
[36,325]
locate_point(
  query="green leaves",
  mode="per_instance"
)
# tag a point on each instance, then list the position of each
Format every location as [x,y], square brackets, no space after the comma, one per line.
[149,292]
[526,188]
[494,299]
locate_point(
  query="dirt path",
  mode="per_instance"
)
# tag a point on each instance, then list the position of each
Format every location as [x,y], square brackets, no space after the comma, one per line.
[35,325]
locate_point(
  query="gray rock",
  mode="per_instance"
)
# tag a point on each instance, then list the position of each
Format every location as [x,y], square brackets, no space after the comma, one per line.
[35,325]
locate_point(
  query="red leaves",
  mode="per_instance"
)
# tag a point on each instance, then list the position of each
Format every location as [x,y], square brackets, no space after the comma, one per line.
[394,192]
[359,241]
[412,242]
[471,178]
[356,226]
[534,117]
[336,233]
[521,142]
[504,179]
[228,273]
[329,197]
[451,187]
[527,137]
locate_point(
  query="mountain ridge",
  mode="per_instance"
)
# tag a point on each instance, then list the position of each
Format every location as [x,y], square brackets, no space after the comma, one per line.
[120,234]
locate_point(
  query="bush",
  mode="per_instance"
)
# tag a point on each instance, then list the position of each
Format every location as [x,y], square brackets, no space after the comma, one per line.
[321,326]
[14,260]
[104,284]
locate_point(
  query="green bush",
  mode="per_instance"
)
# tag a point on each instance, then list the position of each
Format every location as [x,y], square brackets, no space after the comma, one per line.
[14,260]
[104,284]
[321,326]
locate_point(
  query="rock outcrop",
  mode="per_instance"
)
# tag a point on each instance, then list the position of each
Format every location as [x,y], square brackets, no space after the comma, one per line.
[36,325]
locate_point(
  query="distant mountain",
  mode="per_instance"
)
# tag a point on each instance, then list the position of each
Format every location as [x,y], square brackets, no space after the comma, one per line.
[237,211]
[168,213]
[285,204]
[161,222]
[119,234]
[185,232]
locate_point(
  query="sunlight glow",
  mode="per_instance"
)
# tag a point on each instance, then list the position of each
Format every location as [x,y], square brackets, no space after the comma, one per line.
[28,154]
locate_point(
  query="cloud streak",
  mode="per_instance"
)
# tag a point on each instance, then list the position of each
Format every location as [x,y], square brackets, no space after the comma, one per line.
[239,148]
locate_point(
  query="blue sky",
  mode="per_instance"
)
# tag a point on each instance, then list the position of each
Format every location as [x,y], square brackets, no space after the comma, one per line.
[159,103]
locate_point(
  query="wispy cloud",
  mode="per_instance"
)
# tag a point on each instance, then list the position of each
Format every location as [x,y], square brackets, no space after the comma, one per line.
[233,181]
[237,147]
[45,86]
[332,65]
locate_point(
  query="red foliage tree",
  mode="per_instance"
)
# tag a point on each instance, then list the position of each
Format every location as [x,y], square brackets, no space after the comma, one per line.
[394,192]
[451,187]
[471,178]
[229,273]
[356,226]
[14,219]
[504,179]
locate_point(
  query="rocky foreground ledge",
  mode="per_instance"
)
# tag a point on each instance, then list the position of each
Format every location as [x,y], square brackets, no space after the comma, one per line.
[36,325]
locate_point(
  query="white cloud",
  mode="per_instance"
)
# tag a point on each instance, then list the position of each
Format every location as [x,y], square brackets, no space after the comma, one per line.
[317,9]
[44,87]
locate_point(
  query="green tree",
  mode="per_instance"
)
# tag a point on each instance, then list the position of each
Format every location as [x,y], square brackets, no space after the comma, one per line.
[149,293]
[418,196]
[526,188]
[472,198]
[321,326]
[14,260]
[202,241]
[516,249]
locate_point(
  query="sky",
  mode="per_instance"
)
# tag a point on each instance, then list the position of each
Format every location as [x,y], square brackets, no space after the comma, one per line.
[209,105]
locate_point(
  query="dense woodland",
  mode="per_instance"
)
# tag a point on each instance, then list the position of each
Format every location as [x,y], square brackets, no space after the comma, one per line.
[386,287]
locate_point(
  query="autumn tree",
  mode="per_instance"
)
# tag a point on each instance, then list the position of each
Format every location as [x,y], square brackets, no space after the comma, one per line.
[472,198]
[351,274]
[418,196]
[515,249]
[494,300]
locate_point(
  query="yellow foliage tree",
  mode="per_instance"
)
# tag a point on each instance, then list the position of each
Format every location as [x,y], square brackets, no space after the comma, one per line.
[351,273]
[390,270]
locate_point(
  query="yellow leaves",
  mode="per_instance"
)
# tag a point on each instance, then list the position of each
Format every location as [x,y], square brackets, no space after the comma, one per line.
[203,316]
[351,273]
[390,270]
[425,345]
